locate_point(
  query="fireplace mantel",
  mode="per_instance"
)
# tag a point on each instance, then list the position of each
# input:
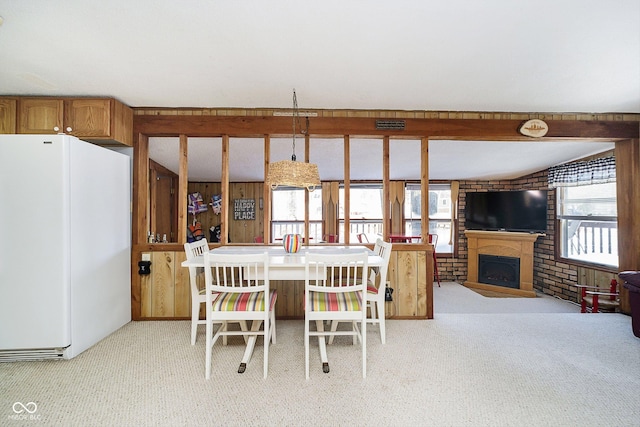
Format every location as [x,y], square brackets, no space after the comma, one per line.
[501,243]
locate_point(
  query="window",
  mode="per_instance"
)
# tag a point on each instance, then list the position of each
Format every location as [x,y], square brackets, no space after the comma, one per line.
[588,223]
[365,216]
[439,213]
[287,213]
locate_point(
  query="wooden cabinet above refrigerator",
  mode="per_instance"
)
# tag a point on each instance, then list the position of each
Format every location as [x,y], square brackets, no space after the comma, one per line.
[104,121]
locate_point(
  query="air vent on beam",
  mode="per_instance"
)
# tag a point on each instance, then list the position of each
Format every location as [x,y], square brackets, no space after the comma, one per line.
[390,124]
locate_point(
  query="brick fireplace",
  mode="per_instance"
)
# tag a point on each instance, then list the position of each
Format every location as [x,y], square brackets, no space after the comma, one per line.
[508,251]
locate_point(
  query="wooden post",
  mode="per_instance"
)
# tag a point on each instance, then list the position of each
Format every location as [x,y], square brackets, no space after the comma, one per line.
[627,154]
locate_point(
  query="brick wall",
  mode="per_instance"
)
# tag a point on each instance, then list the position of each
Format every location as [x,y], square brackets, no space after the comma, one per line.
[549,276]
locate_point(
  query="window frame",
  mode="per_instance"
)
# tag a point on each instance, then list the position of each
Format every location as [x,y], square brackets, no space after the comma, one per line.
[376,221]
[561,244]
[450,249]
[297,224]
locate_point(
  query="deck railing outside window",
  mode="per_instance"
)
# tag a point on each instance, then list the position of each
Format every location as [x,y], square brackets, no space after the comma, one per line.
[372,228]
[591,241]
[280,228]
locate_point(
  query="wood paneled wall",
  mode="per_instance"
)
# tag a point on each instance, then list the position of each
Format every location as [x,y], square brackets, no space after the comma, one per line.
[240,231]
[166,294]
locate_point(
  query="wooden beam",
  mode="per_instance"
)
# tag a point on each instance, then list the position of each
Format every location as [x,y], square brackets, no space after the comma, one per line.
[455,129]
[628,199]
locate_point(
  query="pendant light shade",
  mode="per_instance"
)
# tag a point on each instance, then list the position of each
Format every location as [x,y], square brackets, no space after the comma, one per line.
[291,173]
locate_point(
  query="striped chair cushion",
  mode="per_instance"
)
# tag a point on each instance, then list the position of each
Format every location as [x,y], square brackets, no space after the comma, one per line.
[346,301]
[247,301]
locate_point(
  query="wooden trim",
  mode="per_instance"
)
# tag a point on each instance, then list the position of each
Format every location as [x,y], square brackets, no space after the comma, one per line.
[307,140]
[389,114]
[424,189]
[347,188]
[266,192]
[386,189]
[140,224]
[225,193]
[183,183]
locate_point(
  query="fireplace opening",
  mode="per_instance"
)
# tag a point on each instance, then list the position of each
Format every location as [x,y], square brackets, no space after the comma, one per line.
[499,271]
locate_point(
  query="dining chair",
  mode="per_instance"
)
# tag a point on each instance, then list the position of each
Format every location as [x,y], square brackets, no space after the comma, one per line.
[433,239]
[334,290]
[330,238]
[376,287]
[192,250]
[376,294]
[242,284]
[362,238]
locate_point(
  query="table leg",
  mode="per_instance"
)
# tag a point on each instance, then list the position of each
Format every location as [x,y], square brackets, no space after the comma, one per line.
[322,346]
[251,343]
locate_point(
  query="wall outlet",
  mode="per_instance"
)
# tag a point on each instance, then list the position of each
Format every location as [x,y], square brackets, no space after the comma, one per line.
[146,257]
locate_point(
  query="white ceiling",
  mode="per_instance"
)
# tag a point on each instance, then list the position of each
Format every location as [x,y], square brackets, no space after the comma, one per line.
[457,55]
[448,160]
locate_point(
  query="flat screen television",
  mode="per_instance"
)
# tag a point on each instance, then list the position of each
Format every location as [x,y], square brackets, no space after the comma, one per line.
[521,210]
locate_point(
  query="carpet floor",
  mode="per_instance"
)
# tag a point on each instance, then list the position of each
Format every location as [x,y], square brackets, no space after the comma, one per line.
[525,366]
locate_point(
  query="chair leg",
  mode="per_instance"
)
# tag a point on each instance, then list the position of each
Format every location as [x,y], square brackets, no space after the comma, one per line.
[354,328]
[334,327]
[209,344]
[372,308]
[363,333]
[243,327]
[267,333]
[223,325]
[272,328]
[195,317]
[435,268]
[306,347]
[381,320]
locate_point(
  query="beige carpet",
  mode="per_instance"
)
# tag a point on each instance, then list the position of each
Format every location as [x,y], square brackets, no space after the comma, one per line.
[460,369]
[455,298]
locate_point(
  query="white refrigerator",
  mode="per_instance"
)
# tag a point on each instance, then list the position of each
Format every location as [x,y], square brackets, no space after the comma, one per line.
[65,245]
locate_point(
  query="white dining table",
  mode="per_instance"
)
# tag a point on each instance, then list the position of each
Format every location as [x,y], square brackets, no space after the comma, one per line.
[286,266]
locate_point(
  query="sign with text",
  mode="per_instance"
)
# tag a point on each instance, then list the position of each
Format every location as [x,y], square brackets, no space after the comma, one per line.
[244,209]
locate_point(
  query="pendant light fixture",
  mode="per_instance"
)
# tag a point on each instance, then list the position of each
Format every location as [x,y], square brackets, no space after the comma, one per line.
[291,173]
